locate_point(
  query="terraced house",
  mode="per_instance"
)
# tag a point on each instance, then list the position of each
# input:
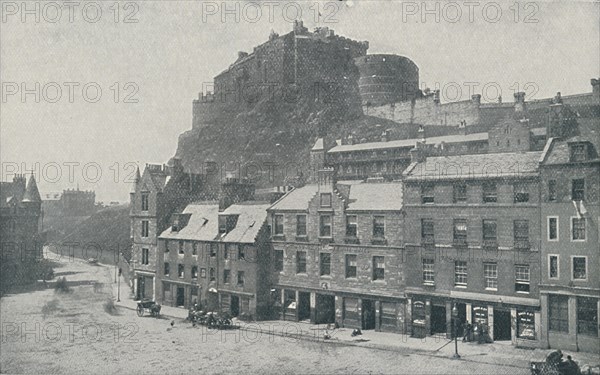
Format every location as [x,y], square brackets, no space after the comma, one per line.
[337,253]
[473,241]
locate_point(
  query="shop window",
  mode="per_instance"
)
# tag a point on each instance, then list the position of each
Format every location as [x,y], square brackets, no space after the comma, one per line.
[558,313]
[526,324]
[587,316]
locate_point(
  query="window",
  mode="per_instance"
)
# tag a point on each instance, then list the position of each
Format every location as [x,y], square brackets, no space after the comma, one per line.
[490,275]
[587,316]
[460,231]
[579,268]
[325,199]
[427,193]
[167,268]
[279,225]
[428,271]
[226,276]
[552,228]
[300,225]
[427,231]
[578,189]
[145,228]
[144,201]
[180,247]
[490,194]
[241,252]
[553,267]
[558,314]
[522,278]
[379,226]
[213,249]
[301,262]
[490,233]
[551,190]
[325,264]
[166,246]
[460,273]
[526,324]
[240,279]
[378,268]
[180,271]
[578,229]
[226,249]
[145,256]
[279,260]
[459,192]
[203,273]
[325,226]
[521,234]
[194,248]
[351,225]
[211,273]
[521,193]
[578,152]
[350,265]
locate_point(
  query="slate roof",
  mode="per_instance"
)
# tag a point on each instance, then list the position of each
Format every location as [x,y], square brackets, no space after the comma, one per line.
[202,226]
[252,216]
[375,197]
[559,152]
[297,199]
[459,138]
[509,164]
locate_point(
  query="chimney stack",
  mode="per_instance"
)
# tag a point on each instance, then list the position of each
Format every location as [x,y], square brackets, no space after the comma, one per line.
[417,154]
[326,179]
[595,86]
[520,101]
[476,99]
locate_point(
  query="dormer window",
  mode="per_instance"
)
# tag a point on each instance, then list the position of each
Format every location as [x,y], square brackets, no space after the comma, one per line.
[578,152]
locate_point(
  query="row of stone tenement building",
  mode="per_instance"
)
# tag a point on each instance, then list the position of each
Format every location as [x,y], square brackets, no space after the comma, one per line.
[499,225]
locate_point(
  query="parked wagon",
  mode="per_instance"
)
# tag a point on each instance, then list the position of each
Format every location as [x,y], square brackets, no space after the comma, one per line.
[149,306]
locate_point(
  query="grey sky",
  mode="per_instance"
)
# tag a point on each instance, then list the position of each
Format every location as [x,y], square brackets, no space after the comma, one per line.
[171,51]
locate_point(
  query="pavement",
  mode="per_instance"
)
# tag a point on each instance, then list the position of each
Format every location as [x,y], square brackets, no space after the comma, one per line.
[500,352]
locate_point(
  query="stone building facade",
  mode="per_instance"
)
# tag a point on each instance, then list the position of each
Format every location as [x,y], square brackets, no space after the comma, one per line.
[337,254]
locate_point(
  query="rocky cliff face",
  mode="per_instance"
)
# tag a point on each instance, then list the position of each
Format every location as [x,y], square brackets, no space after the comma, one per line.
[270,137]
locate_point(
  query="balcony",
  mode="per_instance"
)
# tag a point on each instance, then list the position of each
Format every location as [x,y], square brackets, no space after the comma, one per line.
[522,245]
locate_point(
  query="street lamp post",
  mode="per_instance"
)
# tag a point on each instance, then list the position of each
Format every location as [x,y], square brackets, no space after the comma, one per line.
[455,319]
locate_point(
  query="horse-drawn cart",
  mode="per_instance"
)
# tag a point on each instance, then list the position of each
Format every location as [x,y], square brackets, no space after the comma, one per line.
[150,306]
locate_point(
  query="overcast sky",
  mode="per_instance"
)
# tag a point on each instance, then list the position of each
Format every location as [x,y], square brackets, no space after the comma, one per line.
[176,46]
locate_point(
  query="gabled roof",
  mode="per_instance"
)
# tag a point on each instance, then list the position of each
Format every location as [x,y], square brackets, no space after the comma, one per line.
[509,164]
[409,143]
[375,197]
[297,199]
[203,224]
[251,217]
